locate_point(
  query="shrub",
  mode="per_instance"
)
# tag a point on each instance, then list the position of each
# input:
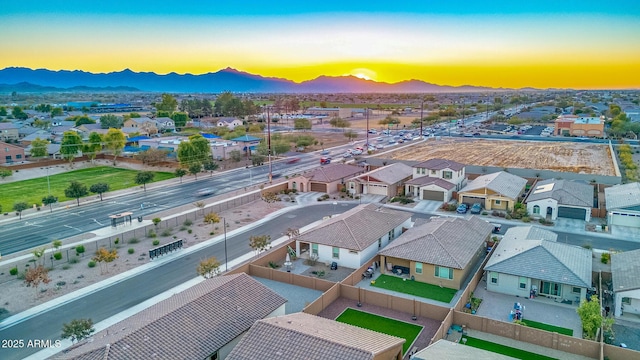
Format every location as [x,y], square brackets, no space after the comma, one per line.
[116,241]
[189,231]
[187,222]
[134,241]
[587,246]
[605,257]
[13,271]
[211,233]
[166,232]
[273,265]
[74,260]
[92,264]
[183,228]
[66,267]
[156,242]
[131,250]
[150,234]
[80,249]
[526,219]
[57,255]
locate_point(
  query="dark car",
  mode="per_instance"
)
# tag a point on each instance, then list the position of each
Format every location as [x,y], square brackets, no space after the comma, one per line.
[462,209]
[205,192]
[476,208]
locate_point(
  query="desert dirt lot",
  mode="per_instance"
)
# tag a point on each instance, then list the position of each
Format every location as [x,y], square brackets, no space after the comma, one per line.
[557,156]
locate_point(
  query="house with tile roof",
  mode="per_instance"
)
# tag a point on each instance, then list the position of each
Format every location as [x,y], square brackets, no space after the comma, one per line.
[353,237]
[229,122]
[9,131]
[165,124]
[625,272]
[436,179]
[623,204]
[387,180]
[144,125]
[554,198]
[442,251]
[496,191]
[203,322]
[326,179]
[10,153]
[305,336]
[529,258]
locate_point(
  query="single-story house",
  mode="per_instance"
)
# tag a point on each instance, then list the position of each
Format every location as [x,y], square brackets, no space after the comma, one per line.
[387,180]
[497,191]
[203,322]
[556,198]
[623,204]
[9,131]
[528,259]
[327,179]
[442,251]
[305,336]
[229,122]
[41,134]
[625,272]
[353,237]
[11,153]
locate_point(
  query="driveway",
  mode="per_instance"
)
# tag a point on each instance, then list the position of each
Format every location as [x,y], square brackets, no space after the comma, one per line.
[498,306]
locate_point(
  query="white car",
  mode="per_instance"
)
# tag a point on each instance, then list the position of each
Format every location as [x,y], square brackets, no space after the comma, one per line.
[356,152]
[379,146]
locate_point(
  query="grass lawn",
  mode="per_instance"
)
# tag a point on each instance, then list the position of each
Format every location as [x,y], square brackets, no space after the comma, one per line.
[505,350]
[381,324]
[415,288]
[33,190]
[547,327]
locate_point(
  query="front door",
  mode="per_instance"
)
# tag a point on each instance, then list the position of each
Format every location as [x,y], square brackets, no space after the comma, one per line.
[550,288]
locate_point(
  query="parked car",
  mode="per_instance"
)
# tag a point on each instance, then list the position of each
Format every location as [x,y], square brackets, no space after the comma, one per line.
[462,209]
[324,152]
[476,208]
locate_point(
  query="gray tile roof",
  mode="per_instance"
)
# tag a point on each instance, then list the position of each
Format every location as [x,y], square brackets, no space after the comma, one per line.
[304,336]
[189,325]
[426,180]
[450,242]
[356,229]
[502,182]
[533,252]
[333,172]
[390,174]
[622,196]
[625,270]
[439,164]
[566,192]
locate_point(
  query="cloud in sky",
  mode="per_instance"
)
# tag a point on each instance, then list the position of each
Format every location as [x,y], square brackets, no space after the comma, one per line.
[501,44]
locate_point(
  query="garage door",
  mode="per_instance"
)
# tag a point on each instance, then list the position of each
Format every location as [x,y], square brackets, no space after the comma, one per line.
[319,187]
[377,189]
[625,219]
[432,195]
[572,213]
[472,200]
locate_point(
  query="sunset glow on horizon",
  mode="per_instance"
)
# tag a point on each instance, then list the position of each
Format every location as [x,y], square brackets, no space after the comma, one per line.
[543,44]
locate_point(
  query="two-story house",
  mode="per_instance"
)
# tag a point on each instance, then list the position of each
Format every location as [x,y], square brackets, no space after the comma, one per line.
[11,153]
[144,125]
[436,179]
[229,122]
[8,131]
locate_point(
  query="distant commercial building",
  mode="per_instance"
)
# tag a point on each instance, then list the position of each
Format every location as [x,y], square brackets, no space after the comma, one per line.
[573,125]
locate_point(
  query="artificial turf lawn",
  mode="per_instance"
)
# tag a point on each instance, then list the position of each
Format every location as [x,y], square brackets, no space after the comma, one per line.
[416,288]
[381,324]
[547,327]
[504,350]
[33,190]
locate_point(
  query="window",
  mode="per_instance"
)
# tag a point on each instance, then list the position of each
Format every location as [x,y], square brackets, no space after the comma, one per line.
[536,209]
[379,243]
[522,282]
[19,156]
[576,290]
[392,235]
[444,272]
[314,249]
[418,268]
[447,175]
[336,252]
[433,172]
[626,300]
[497,202]
[493,276]
[422,171]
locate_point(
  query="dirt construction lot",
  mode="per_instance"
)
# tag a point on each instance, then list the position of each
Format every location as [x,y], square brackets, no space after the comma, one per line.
[581,158]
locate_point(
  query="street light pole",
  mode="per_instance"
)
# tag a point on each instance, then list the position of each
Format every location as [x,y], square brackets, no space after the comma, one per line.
[366,112]
[224,225]
[48,183]
[269,144]
[421,117]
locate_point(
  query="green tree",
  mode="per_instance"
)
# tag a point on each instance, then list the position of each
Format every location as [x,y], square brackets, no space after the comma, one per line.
[144,177]
[152,156]
[221,102]
[84,119]
[5,173]
[3,111]
[18,113]
[350,135]
[339,123]
[19,207]
[110,121]
[195,168]
[280,147]
[57,111]
[590,313]
[390,121]
[49,200]
[235,155]
[77,329]
[70,146]
[257,159]
[302,124]
[210,166]
[180,172]
[168,103]
[114,141]
[259,243]
[196,149]
[39,148]
[180,119]
[211,218]
[92,147]
[99,188]
[76,190]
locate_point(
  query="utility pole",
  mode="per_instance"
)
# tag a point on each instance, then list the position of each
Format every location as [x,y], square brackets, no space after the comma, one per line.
[226,262]
[269,143]
[366,112]
[421,117]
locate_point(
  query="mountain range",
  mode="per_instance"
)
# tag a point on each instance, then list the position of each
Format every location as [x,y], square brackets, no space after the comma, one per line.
[44,80]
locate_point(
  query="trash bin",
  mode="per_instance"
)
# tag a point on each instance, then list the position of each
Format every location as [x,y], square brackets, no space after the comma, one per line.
[139,218]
